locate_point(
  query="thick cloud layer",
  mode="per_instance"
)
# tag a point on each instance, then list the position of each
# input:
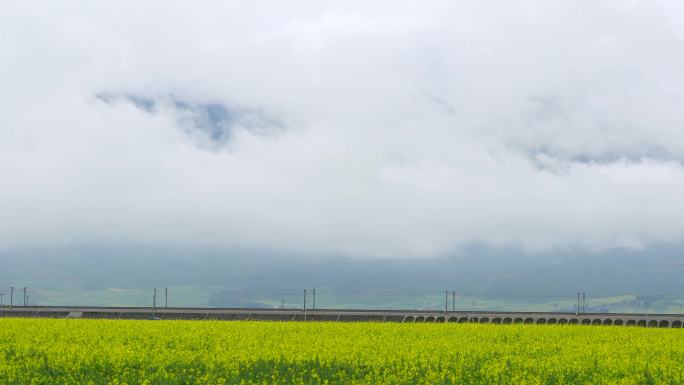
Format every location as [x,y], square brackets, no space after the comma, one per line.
[384,129]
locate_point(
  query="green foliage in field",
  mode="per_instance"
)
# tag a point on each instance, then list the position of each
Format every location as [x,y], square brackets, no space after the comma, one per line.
[205,352]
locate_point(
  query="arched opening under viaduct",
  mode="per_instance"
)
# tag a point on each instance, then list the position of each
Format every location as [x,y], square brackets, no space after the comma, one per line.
[652,323]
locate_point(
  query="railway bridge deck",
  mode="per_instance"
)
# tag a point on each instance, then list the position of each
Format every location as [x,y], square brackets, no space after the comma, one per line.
[350,315]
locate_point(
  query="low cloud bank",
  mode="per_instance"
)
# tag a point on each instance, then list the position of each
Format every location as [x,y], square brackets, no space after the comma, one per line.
[395,129]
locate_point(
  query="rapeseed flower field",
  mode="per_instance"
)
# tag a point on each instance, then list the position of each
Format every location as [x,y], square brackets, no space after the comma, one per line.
[45,351]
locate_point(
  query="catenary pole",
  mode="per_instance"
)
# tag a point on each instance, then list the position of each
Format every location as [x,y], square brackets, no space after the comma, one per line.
[304,305]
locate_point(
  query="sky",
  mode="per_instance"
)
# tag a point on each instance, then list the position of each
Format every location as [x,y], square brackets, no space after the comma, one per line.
[390,129]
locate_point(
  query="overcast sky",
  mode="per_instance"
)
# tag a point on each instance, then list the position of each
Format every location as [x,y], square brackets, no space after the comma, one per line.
[386,128]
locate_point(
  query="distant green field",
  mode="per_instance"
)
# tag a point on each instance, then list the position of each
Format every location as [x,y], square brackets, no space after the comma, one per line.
[201,296]
[42,351]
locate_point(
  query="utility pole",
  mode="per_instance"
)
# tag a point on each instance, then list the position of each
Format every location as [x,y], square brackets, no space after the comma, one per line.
[453,300]
[304,305]
[24,296]
[11,296]
[578,307]
[446,301]
[166,298]
[314,299]
[154,300]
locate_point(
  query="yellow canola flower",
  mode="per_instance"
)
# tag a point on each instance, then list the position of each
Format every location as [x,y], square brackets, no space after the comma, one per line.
[44,351]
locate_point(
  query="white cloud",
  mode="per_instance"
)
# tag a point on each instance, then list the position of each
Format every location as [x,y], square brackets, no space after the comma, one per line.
[408,128]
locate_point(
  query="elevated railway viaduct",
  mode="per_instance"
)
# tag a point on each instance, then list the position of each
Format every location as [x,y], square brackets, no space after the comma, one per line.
[337,315]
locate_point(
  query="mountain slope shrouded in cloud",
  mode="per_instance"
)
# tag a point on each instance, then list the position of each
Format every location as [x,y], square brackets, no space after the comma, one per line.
[641,279]
[388,130]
